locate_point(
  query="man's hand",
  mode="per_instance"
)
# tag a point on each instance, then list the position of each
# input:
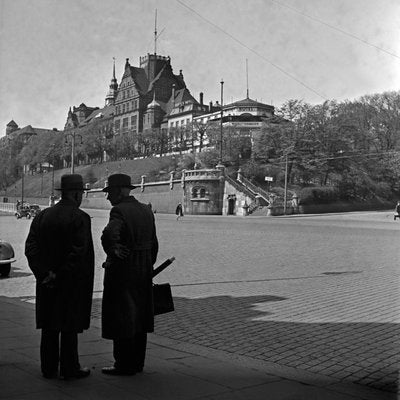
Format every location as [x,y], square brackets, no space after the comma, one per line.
[121,251]
[49,281]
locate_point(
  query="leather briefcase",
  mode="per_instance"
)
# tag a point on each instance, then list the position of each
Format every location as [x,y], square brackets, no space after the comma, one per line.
[163,301]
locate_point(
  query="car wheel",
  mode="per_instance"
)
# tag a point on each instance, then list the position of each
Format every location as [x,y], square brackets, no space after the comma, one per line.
[5,270]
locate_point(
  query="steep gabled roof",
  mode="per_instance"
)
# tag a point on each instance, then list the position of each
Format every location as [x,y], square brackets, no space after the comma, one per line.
[181,96]
[140,78]
[12,124]
[27,130]
[105,112]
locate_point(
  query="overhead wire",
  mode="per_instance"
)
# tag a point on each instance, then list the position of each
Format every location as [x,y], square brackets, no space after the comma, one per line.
[373,155]
[335,28]
[251,49]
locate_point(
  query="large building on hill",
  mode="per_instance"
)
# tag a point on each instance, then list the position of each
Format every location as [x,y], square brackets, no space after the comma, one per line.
[148,97]
[151,97]
[14,131]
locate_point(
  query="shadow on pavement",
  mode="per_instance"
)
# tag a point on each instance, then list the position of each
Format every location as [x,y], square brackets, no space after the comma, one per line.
[362,353]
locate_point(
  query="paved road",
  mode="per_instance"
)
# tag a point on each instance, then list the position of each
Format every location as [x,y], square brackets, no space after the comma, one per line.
[319,293]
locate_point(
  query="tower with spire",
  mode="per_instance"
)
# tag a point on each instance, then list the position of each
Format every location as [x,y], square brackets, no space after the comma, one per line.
[112,93]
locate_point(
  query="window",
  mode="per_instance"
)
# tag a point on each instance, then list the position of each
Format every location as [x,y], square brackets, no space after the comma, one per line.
[199,193]
[125,123]
[134,123]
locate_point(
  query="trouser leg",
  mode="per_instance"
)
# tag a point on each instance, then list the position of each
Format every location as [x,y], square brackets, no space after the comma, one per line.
[69,359]
[140,349]
[49,351]
[130,353]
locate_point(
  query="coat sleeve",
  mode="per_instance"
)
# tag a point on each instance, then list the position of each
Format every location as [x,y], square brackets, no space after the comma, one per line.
[154,249]
[32,249]
[111,236]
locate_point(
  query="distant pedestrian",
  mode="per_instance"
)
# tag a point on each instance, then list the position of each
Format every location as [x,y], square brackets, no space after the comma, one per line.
[179,211]
[397,211]
[59,249]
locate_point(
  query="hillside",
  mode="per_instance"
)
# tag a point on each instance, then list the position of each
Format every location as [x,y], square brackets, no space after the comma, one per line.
[154,168]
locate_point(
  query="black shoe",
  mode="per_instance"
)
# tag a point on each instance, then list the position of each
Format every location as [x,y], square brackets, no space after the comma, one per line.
[81,373]
[117,371]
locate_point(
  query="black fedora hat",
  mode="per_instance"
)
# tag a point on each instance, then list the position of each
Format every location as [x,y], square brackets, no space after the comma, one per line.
[71,182]
[118,180]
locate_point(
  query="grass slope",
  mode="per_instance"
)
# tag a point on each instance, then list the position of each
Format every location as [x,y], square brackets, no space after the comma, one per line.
[39,185]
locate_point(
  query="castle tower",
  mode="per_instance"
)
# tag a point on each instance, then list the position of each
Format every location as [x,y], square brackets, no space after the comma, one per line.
[11,127]
[153,64]
[112,93]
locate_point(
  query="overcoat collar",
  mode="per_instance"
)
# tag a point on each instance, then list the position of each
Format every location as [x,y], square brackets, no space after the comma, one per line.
[128,199]
[67,202]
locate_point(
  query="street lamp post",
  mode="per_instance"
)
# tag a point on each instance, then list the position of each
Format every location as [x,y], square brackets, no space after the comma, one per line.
[22,185]
[52,179]
[287,151]
[220,139]
[73,135]
[286,184]
[41,184]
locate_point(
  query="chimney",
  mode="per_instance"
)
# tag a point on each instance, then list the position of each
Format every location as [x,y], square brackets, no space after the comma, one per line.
[127,63]
[201,98]
[211,105]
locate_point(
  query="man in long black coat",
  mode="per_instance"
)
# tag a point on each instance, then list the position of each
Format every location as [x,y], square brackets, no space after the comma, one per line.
[131,245]
[59,249]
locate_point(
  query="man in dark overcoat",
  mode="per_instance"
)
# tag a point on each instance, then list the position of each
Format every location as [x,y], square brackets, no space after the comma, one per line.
[59,249]
[131,245]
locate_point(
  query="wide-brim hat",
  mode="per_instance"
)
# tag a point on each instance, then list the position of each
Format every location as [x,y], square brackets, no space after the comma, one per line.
[71,182]
[118,180]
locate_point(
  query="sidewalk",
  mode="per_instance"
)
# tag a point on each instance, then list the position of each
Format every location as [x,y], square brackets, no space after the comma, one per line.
[174,370]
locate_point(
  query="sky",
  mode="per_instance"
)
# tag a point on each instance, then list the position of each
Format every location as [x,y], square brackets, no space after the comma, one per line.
[55,54]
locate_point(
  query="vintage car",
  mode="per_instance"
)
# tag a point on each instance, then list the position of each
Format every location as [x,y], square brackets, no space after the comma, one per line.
[27,210]
[6,258]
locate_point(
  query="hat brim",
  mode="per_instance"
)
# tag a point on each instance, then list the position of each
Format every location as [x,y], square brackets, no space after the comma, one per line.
[107,188]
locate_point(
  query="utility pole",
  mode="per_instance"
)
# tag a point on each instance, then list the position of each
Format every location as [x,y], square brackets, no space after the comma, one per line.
[52,180]
[72,135]
[286,184]
[22,185]
[221,132]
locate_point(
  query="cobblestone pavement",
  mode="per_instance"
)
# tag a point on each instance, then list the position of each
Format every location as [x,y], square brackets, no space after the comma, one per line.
[318,293]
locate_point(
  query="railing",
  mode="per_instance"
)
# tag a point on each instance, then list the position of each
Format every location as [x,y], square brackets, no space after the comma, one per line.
[238,185]
[252,207]
[8,207]
[255,189]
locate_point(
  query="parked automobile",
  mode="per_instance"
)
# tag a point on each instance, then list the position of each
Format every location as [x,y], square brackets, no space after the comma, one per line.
[27,210]
[6,258]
